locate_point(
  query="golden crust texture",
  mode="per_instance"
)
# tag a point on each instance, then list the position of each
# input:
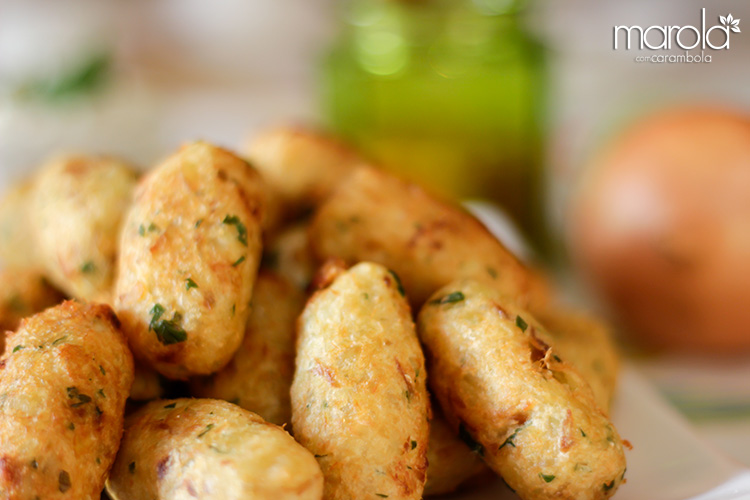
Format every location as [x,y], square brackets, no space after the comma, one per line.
[76,210]
[259,376]
[587,344]
[64,380]
[505,388]
[377,217]
[359,400]
[189,255]
[451,462]
[300,167]
[23,293]
[210,449]
[17,246]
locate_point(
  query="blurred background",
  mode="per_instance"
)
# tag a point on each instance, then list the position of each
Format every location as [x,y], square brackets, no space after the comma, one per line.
[634,175]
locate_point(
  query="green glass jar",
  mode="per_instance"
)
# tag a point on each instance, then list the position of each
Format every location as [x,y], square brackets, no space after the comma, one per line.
[446,92]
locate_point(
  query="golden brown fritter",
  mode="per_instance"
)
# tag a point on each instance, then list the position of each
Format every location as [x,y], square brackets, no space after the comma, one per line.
[63,384]
[505,388]
[359,401]
[17,246]
[210,449]
[377,217]
[587,344]
[22,293]
[301,167]
[259,376]
[450,462]
[189,255]
[76,209]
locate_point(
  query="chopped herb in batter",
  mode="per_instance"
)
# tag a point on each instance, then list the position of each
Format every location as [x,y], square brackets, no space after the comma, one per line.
[167,331]
[241,229]
[520,323]
[451,298]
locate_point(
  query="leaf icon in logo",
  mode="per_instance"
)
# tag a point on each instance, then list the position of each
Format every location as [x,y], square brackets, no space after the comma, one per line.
[730,22]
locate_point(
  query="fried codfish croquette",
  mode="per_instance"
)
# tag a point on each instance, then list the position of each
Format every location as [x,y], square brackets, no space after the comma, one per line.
[76,210]
[359,401]
[210,449]
[17,246]
[587,344]
[301,167]
[260,374]
[189,255]
[450,462]
[23,293]
[63,384]
[504,386]
[376,217]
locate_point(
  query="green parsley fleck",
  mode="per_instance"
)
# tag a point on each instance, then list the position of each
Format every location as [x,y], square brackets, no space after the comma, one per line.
[582,433]
[58,341]
[17,348]
[88,267]
[509,441]
[241,229]
[81,399]
[189,283]
[609,486]
[167,331]
[466,437]
[131,467]
[170,405]
[101,369]
[413,444]
[321,456]
[492,273]
[239,261]
[100,392]
[381,495]
[451,298]
[205,431]
[198,223]
[399,285]
[520,323]
[547,478]
[71,426]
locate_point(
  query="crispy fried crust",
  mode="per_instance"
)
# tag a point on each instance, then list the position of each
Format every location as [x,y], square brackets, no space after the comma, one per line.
[260,374]
[359,401]
[63,386]
[504,386]
[451,462]
[377,217]
[301,167]
[190,250]
[587,343]
[17,246]
[76,209]
[210,449]
[23,293]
